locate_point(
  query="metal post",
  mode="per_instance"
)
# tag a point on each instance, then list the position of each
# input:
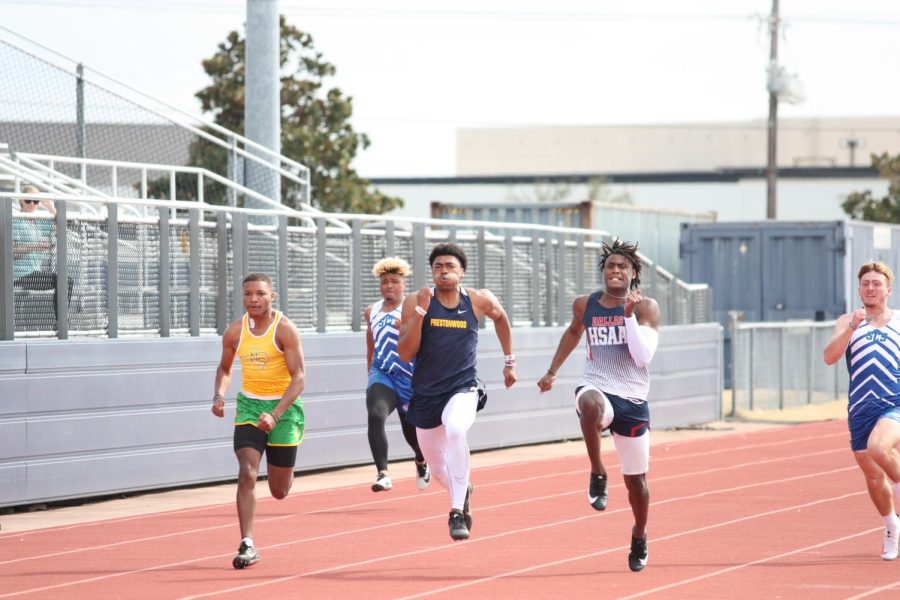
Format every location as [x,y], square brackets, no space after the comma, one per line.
[239,264]
[62,271]
[551,276]
[508,287]
[562,310]
[231,192]
[79,116]
[7,294]
[222,272]
[112,270]
[750,401]
[165,277]
[321,276]
[535,280]
[283,264]
[262,106]
[810,363]
[420,257]
[781,331]
[579,272]
[772,123]
[356,273]
[389,238]
[194,272]
[481,273]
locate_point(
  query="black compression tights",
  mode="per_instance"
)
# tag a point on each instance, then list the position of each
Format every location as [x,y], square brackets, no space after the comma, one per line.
[381,402]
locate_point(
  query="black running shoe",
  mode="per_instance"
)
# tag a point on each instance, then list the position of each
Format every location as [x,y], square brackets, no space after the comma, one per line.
[246,556]
[467,511]
[597,495]
[458,529]
[637,558]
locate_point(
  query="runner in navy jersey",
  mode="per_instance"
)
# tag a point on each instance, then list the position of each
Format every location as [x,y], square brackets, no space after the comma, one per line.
[439,328]
[869,338]
[622,334]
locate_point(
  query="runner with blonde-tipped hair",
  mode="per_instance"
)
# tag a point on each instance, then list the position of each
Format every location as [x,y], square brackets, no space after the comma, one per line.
[390,379]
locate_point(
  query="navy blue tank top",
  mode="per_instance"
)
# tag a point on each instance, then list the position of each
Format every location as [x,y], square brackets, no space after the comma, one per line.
[445,362]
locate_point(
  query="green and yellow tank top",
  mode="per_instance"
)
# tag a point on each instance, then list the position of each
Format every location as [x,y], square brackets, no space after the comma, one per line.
[265,374]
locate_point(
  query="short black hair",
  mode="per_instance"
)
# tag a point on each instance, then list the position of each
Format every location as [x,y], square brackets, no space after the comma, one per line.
[258,277]
[448,249]
[629,251]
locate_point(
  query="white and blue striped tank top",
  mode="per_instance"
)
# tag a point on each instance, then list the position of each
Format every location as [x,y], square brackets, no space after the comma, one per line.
[608,364]
[873,361]
[385,334]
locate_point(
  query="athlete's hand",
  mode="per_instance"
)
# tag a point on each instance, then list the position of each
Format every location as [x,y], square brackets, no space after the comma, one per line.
[509,376]
[545,383]
[633,299]
[218,407]
[266,422]
[423,297]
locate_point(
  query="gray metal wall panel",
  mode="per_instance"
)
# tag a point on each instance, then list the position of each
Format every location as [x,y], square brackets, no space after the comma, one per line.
[14,483]
[98,424]
[14,395]
[12,438]
[12,358]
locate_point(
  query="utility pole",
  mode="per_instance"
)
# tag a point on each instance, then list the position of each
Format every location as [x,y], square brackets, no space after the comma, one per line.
[772,157]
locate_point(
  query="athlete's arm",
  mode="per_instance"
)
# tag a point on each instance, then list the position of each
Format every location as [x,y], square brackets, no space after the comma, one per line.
[411,324]
[570,338]
[641,327]
[230,340]
[840,339]
[370,341]
[288,339]
[485,302]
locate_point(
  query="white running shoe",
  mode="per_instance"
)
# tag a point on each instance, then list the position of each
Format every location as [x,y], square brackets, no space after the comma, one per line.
[382,483]
[423,475]
[891,538]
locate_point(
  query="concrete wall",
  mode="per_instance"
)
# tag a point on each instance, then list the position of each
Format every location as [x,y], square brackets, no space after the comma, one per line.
[82,418]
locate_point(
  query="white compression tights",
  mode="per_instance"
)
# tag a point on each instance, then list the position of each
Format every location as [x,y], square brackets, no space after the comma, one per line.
[446,449]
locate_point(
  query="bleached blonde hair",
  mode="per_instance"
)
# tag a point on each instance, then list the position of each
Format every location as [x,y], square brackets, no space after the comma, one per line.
[391,264]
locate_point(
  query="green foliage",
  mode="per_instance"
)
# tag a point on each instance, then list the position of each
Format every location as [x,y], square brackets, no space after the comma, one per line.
[315,126]
[865,206]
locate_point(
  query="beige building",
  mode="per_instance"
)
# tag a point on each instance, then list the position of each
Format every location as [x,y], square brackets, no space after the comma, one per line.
[673,147]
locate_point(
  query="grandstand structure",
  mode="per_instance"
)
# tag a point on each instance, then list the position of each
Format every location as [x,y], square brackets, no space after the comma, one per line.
[151,245]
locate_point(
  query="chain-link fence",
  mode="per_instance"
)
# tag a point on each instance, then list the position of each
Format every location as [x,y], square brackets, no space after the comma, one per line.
[146,267]
[53,106]
[780,365]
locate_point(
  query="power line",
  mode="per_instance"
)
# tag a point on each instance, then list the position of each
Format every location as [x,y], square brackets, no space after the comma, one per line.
[458,14]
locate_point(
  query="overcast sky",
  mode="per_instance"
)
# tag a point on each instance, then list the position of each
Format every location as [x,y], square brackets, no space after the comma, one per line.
[419,71]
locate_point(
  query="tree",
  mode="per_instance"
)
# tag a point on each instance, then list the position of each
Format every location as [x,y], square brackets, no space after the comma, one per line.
[315,124]
[865,206]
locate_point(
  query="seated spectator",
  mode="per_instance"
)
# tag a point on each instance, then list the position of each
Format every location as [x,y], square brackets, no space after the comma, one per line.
[33,239]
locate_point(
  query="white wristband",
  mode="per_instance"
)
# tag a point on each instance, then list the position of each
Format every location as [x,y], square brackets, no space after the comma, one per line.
[421,310]
[509,360]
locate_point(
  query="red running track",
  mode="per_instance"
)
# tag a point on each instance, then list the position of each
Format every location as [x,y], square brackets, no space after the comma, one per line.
[776,513]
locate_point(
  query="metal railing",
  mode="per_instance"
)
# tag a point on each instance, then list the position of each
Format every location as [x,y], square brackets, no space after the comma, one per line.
[172,270]
[779,365]
[55,105]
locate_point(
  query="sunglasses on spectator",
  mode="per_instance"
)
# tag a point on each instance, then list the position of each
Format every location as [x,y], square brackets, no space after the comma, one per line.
[32,201]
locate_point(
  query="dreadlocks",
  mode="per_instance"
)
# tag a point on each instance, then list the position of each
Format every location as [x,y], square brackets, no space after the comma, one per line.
[629,251]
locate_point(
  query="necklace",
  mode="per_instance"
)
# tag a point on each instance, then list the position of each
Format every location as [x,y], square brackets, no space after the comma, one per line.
[614,296]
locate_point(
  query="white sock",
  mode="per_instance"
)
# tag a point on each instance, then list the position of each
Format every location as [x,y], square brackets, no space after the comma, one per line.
[891,520]
[248,541]
[896,487]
